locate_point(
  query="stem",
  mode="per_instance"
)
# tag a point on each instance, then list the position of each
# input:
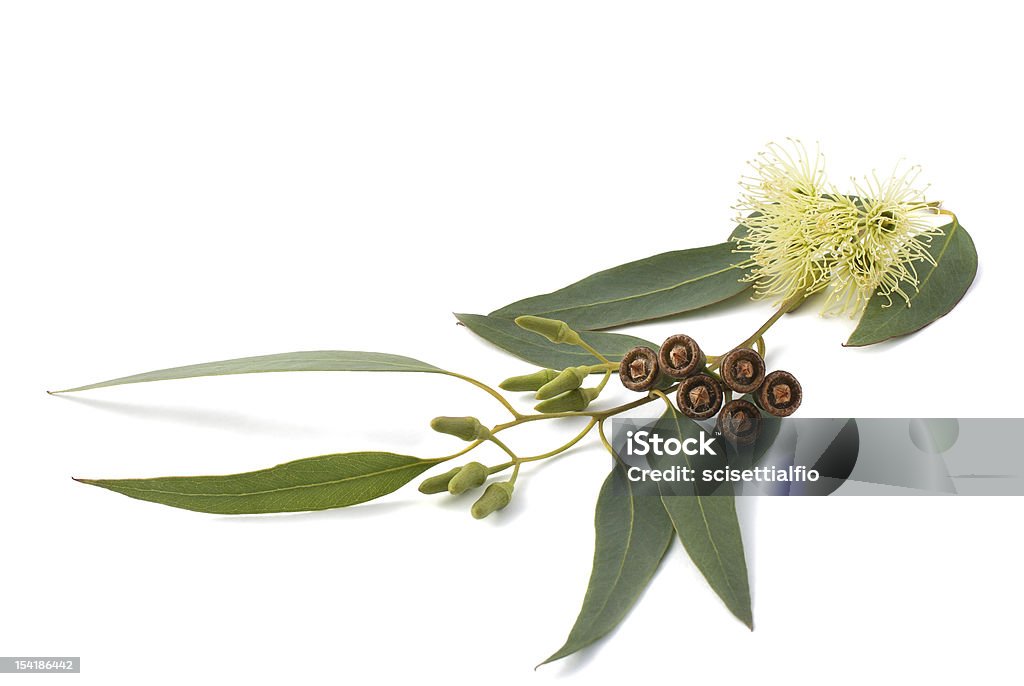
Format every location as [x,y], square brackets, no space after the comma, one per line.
[551,453]
[783,309]
[497,396]
[593,351]
[460,453]
[668,403]
[604,440]
[515,458]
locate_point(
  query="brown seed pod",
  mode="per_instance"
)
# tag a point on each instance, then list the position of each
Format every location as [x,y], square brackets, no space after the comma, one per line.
[739,422]
[742,370]
[639,370]
[680,356]
[780,394]
[700,396]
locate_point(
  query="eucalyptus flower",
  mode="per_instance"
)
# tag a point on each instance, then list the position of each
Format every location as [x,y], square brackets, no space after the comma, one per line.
[885,228]
[806,236]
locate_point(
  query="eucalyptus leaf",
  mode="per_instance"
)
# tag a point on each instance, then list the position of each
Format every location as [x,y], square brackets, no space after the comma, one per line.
[708,527]
[304,361]
[542,352]
[941,287]
[633,532]
[314,483]
[657,286]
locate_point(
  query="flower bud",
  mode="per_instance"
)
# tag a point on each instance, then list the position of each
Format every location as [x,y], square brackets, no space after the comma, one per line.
[497,496]
[466,428]
[780,394]
[471,475]
[742,370]
[528,382]
[699,396]
[552,329]
[575,400]
[680,357]
[439,483]
[568,379]
[639,369]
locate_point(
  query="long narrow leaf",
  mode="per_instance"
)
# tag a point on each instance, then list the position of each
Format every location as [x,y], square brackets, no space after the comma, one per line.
[632,534]
[314,483]
[708,528]
[656,286]
[304,361]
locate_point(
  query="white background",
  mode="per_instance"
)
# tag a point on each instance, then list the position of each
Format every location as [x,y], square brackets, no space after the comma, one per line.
[191,181]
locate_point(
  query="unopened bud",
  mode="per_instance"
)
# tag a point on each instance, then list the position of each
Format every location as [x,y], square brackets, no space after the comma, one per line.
[469,476]
[466,428]
[568,379]
[528,382]
[552,329]
[497,496]
[575,400]
[439,483]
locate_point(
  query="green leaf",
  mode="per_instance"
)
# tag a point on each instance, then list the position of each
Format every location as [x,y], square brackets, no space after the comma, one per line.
[305,361]
[941,288]
[633,532]
[658,286]
[708,527]
[542,352]
[315,483]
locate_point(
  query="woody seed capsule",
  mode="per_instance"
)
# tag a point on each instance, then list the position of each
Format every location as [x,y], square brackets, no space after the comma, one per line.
[780,394]
[739,422]
[742,370]
[639,369]
[699,396]
[680,356]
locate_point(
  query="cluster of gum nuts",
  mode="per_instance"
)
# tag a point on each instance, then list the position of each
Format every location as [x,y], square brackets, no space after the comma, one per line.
[702,394]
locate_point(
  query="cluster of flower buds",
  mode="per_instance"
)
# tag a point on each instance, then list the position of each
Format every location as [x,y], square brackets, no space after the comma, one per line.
[702,394]
[558,391]
[472,474]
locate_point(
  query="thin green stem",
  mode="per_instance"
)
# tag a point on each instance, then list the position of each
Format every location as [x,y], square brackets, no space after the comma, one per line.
[593,351]
[604,440]
[497,396]
[783,309]
[515,458]
[460,453]
[668,403]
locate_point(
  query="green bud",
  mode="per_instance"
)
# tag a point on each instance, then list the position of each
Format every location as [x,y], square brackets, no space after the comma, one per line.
[466,428]
[528,382]
[497,496]
[575,400]
[469,476]
[568,379]
[552,329]
[439,483]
